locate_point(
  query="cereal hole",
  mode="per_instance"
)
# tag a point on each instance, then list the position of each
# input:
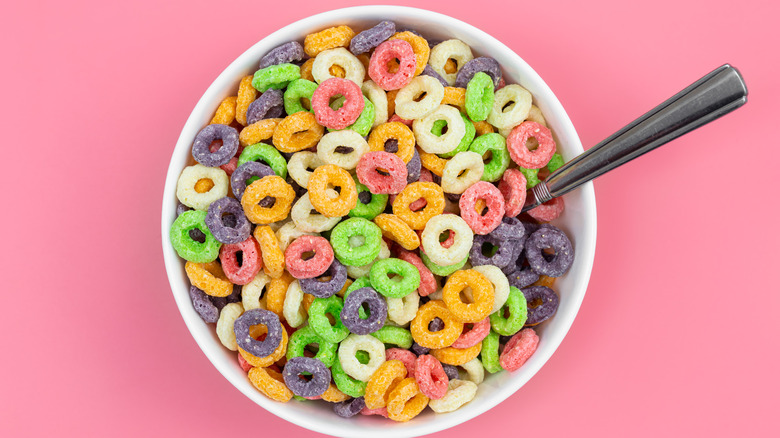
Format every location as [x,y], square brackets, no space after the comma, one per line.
[451,66]
[487,156]
[357,241]
[488,249]
[464,295]
[420,96]
[337,71]
[343,150]
[307,255]
[203,185]
[331,319]
[306,103]
[508,106]
[229,220]
[267,202]
[531,144]
[365,197]
[536,302]
[240,258]
[197,235]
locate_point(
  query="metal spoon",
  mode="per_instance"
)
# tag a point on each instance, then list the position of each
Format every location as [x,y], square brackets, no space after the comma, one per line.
[716,94]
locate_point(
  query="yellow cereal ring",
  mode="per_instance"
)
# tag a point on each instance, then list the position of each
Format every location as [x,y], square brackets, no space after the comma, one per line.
[382,383]
[397,131]
[398,230]
[258,132]
[263,362]
[420,47]
[275,292]
[297,132]
[457,356]
[333,395]
[442,338]
[434,198]
[330,38]
[456,97]
[273,257]
[209,277]
[306,68]
[433,162]
[270,383]
[321,191]
[482,293]
[406,401]
[246,95]
[483,128]
[268,186]
[226,112]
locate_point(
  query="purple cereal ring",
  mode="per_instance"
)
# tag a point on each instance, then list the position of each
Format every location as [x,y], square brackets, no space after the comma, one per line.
[272,339]
[349,408]
[234,297]
[370,38]
[482,64]
[206,309]
[181,208]
[413,168]
[377,311]
[246,171]
[429,71]
[287,53]
[510,228]
[419,349]
[314,387]
[549,237]
[270,105]
[502,257]
[450,370]
[226,230]
[322,288]
[542,303]
[522,277]
[201,147]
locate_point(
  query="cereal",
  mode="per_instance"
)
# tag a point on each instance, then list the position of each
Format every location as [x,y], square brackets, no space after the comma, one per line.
[378,67]
[297,132]
[342,149]
[186,246]
[519,349]
[392,178]
[187,190]
[394,288]
[461,246]
[370,38]
[481,288]
[276,292]
[511,105]
[499,282]
[440,338]
[227,222]
[430,377]
[356,255]
[539,157]
[500,253]
[344,116]
[210,133]
[393,228]
[316,385]
[382,382]
[420,47]
[482,222]
[365,120]
[459,392]
[270,383]
[296,92]
[255,207]
[275,77]
[479,97]
[251,345]
[499,155]
[406,401]
[513,187]
[286,53]
[549,237]
[307,221]
[474,336]
[325,61]
[408,358]
[465,142]
[378,98]
[312,267]
[453,49]
[482,64]
[268,360]
[349,362]
[268,155]
[542,304]
[408,108]
[427,281]
[209,278]
[293,311]
[316,43]
[517,307]
[250,265]
[403,310]
[257,132]
[405,141]
[320,288]
[322,196]
[251,170]
[226,112]
[369,205]
[457,356]
[273,257]
[547,211]
[377,311]
[433,163]
[305,336]
[440,144]
[207,311]
[349,408]
[318,318]
[252,296]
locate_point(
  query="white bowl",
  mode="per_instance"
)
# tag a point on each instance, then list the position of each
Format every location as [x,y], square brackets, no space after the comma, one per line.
[578,221]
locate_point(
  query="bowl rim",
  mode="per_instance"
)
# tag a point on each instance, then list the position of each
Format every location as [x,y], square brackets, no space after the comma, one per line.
[585,248]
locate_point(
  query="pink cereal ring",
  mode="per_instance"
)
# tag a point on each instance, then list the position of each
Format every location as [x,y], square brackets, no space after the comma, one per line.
[250,265]
[395,118]
[494,200]
[430,377]
[392,178]
[344,116]
[426,176]
[380,411]
[537,158]
[314,266]
[405,356]
[519,349]
[388,51]
[547,211]
[246,366]
[427,281]
[474,336]
[513,187]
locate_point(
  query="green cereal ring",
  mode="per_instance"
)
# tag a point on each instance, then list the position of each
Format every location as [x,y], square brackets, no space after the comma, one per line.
[364,121]
[318,318]
[499,161]
[531,176]
[555,162]
[518,313]
[305,336]
[468,137]
[489,353]
[373,208]
[297,90]
[359,255]
[479,97]
[393,335]
[275,77]
[393,287]
[189,248]
[299,398]
[346,384]
[442,271]
[264,153]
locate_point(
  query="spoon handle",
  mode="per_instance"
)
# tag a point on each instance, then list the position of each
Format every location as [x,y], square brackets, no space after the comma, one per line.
[716,94]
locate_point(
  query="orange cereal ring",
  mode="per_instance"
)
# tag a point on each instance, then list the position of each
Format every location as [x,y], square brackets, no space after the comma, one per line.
[209,277]
[393,130]
[343,290]
[258,132]
[246,95]
[391,102]
[406,401]
[267,361]
[273,257]
[270,383]
[482,128]
[364,59]
[276,291]
[420,47]
[398,230]
[323,195]
[383,382]
[482,292]
[306,68]
[226,112]
[333,395]
[457,356]
[330,38]
[455,96]
[433,162]
[425,315]
[434,198]
[297,132]
[254,200]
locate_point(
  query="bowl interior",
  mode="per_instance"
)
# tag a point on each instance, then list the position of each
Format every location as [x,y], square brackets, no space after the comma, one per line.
[578,221]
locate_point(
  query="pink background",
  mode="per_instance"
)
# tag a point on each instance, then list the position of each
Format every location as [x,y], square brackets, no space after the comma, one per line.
[678,333]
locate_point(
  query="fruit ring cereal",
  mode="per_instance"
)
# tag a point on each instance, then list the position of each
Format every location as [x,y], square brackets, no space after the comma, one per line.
[270,383]
[427,282]
[517,307]
[349,408]
[430,377]
[314,266]
[482,64]
[370,38]
[267,200]
[344,116]
[251,170]
[342,148]
[382,172]
[273,334]
[547,211]
[479,221]
[482,292]
[199,186]
[425,88]
[393,228]
[250,265]
[320,288]
[394,288]
[378,67]
[377,311]
[297,132]
[406,401]
[455,50]
[444,337]
[315,386]
[305,336]
[319,310]
[420,47]
[461,171]
[186,245]
[511,105]
[275,77]
[459,250]
[440,144]
[226,221]
[203,154]
[327,60]
[382,382]
[539,157]
[519,349]
[459,392]
[322,196]
[268,155]
[549,237]
[316,43]
[385,132]
[542,304]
